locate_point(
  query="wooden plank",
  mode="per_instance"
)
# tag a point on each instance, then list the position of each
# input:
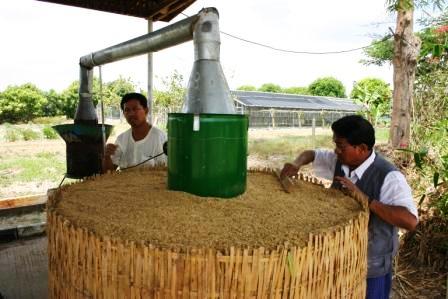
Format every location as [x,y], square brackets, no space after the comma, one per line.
[22,201]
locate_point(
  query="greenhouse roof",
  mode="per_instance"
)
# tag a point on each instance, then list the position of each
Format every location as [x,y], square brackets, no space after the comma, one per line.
[292,101]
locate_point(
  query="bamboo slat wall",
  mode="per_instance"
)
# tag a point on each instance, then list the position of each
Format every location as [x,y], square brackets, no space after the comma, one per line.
[85,265]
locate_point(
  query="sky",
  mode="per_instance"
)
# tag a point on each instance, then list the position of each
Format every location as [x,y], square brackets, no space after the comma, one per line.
[42,42]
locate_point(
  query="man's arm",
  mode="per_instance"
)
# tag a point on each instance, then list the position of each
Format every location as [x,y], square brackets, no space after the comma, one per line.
[107,164]
[395,215]
[291,169]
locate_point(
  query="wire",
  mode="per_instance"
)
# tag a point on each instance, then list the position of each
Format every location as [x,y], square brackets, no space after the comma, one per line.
[150,158]
[301,52]
[60,184]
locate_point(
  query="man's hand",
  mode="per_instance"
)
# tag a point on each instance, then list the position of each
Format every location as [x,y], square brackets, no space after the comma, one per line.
[110,149]
[347,184]
[289,170]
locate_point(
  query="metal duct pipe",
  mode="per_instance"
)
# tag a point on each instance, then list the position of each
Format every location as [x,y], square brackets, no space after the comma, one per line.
[166,37]
[207,91]
[85,112]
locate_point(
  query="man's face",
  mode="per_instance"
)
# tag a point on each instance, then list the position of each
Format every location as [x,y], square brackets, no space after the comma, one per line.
[348,154]
[135,113]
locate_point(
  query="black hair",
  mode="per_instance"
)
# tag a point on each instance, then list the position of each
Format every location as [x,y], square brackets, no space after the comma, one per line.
[134,96]
[355,129]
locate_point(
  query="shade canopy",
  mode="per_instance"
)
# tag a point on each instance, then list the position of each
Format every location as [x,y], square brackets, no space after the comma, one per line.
[156,10]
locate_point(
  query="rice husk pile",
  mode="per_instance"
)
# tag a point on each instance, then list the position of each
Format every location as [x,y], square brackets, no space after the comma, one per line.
[136,205]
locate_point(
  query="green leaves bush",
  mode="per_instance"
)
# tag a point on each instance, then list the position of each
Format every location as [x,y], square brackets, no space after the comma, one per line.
[327,87]
[21,103]
[49,133]
[375,95]
[26,102]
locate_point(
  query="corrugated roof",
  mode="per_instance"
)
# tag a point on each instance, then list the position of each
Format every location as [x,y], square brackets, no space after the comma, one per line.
[292,101]
[156,10]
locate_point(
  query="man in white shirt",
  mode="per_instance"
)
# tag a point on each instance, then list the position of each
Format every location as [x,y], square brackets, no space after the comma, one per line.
[355,166]
[142,144]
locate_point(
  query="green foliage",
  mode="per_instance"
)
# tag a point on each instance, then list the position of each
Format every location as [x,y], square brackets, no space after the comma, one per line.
[375,95]
[247,88]
[297,90]
[49,133]
[29,134]
[397,5]
[327,86]
[433,51]
[12,133]
[379,53]
[270,87]
[55,104]
[21,103]
[435,172]
[70,98]
[113,91]
[430,131]
[173,94]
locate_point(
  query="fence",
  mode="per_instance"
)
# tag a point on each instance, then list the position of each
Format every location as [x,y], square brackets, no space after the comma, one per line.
[263,118]
[293,118]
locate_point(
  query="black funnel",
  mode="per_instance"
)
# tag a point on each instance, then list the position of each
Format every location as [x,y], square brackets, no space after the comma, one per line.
[84,148]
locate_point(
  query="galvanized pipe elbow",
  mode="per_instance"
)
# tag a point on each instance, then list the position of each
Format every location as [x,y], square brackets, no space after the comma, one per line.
[206,35]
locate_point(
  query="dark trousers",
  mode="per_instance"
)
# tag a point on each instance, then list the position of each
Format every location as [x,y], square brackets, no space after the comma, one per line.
[379,287]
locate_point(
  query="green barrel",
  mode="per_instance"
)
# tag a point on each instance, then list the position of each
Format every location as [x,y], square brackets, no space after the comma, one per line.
[207,153]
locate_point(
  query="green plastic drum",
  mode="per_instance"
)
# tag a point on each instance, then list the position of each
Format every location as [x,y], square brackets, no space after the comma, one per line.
[207,154]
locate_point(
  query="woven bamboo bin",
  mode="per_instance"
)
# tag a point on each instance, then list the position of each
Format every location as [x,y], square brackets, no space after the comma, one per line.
[84,264]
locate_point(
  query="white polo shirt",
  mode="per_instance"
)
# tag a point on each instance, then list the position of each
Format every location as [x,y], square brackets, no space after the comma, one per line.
[131,152]
[395,190]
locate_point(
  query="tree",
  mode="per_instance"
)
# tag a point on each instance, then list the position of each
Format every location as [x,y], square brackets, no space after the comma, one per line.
[380,52]
[297,90]
[70,97]
[328,87]
[21,103]
[113,91]
[270,87]
[173,94]
[247,88]
[406,49]
[55,103]
[375,95]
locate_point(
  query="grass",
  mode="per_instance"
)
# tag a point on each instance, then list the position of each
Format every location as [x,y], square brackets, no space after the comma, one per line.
[43,166]
[291,146]
[288,146]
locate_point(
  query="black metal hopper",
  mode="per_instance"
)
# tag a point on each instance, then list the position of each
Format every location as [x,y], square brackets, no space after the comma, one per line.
[84,145]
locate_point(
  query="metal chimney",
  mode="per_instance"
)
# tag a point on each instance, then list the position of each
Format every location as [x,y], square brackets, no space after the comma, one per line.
[207,91]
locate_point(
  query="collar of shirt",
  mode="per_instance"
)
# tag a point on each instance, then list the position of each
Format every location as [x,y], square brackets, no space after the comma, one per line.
[357,173]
